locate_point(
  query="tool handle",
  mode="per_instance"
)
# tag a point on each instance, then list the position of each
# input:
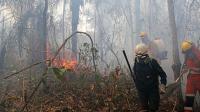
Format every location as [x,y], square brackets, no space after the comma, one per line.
[128,65]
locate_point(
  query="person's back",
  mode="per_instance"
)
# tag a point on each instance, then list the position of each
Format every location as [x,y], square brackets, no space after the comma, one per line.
[147,71]
[143,68]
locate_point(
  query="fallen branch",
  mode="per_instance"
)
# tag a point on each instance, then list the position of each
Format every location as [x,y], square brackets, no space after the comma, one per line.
[34,91]
[24,69]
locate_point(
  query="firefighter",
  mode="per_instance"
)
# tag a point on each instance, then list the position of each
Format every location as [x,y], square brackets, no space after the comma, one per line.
[156,47]
[144,38]
[192,63]
[162,52]
[147,70]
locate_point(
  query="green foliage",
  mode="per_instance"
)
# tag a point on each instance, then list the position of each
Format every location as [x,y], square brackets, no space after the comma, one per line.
[98,78]
[59,73]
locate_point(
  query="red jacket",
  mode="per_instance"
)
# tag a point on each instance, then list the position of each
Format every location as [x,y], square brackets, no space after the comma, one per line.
[193,60]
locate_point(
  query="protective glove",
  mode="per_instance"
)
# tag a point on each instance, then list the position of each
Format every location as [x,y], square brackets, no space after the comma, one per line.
[162,89]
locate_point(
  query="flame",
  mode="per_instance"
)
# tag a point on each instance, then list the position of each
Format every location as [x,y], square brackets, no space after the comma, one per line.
[66,64]
[69,65]
[66,61]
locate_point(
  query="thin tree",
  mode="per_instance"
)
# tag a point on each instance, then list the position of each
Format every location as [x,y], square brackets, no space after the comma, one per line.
[63,23]
[75,8]
[176,59]
[137,18]
[44,36]
[2,48]
[44,42]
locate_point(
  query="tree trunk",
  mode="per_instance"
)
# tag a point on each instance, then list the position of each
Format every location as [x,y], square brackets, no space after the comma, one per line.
[130,33]
[44,45]
[75,7]
[137,20]
[3,49]
[177,64]
[2,58]
[181,18]
[100,30]
[44,36]
[63,25]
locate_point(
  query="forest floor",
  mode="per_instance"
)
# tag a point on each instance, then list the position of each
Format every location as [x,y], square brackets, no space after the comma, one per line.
[77,94]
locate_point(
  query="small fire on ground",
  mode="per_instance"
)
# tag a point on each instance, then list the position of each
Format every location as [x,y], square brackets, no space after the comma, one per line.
[67,64]
[66,59]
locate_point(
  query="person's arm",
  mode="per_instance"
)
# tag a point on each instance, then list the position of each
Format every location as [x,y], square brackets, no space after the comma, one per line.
[160,71]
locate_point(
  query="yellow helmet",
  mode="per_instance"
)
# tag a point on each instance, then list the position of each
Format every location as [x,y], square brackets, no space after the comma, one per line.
[143,34]
[186,45]
[141,49]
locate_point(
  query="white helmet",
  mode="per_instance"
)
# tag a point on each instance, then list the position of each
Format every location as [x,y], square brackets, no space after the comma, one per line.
[141,49]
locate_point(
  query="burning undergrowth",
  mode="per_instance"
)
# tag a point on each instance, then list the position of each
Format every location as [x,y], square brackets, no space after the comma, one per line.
[82,92]
[76,88]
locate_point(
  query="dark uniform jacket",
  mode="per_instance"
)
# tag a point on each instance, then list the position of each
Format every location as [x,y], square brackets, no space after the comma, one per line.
[147,72]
